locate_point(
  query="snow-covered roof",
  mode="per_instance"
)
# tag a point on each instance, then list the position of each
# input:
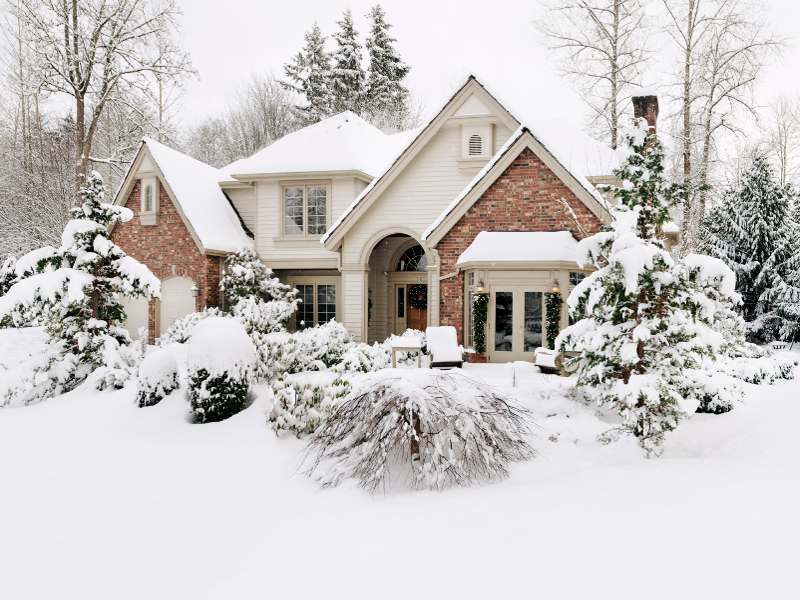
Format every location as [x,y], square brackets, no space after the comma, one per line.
[581,155]
[344,142]
[195,186]
[520,246]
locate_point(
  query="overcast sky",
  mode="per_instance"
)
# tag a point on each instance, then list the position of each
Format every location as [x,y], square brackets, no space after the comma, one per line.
[442,40]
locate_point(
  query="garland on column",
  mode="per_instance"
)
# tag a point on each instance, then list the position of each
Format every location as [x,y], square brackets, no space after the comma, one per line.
[480,312]
[553,302]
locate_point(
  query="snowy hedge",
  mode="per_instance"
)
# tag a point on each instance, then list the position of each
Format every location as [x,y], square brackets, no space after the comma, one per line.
[438,429]
[302,402]
[220,367]
[158,377]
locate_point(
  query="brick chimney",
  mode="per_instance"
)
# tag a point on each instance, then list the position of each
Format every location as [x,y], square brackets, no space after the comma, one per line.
[645,105]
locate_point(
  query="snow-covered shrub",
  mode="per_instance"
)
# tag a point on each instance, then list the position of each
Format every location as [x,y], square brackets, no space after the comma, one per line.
[363,358]
[220,368]
[8,275]
[76,290]
[181,330]
[326,343]
[158,377]
[247,277]
[302,402]
[263,317]
[445,428]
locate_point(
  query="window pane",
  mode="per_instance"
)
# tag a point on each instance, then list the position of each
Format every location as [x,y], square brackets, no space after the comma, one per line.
[533,321]
[401,302]
[326,303]
[576,278]
[317,210]
[304,317]
[503,321]
[148,203]
[293,211]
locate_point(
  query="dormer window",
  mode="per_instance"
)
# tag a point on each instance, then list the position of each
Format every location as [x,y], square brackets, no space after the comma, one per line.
[475,145]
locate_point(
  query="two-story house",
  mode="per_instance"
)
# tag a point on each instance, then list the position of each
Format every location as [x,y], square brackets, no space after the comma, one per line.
[382,232]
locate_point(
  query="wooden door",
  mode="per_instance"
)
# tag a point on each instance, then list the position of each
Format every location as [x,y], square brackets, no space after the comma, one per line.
[417,317]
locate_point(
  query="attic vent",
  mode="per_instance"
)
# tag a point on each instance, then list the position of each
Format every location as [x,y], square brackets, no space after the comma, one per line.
[475,145]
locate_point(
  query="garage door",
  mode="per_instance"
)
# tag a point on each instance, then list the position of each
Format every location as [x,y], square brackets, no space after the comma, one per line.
[137,311]
[176,300]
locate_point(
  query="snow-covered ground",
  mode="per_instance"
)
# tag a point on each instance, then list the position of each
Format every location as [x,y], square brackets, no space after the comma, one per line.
[102,499]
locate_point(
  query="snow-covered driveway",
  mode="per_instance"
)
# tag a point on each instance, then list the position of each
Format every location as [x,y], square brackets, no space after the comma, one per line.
[102,500]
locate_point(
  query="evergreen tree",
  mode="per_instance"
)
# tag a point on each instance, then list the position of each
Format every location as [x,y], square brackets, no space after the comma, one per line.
[347,76]
[8,275]
[385,91]
[754,232]
[247,277]
[309,73]
[76,291]
[647,330]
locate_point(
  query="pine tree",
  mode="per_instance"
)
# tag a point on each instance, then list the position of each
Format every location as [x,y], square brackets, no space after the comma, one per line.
[309,73]
[347,83]
[647,330]
[754,232]
[247,277]
[385,91]
[8,275]
[76,291]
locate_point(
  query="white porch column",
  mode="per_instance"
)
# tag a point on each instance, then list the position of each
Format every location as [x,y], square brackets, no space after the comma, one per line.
[355,282]
[433,291]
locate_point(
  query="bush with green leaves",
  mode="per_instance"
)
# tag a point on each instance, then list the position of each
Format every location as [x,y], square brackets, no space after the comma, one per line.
[221,362]
[158,377]
[301,403]
[181,330]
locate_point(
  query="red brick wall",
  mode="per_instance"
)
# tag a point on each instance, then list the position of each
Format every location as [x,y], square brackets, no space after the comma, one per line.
[164,245]
[524,198]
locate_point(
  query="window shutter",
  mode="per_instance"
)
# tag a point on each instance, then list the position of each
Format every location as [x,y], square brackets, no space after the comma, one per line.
[475,145]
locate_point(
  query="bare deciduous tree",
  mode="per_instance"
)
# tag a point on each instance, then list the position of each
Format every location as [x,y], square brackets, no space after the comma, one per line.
[781,130]
[723,46]
[603,46]
[89,49]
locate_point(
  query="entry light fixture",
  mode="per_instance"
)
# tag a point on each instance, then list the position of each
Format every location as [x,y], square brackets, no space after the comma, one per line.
[481,288]
[554,288]
[195,291]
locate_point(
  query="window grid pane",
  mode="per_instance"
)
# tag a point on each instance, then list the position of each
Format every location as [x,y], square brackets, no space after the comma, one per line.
[503,321]
[326,303]
[317,210]
[304,317]
[293,211]
[533,321]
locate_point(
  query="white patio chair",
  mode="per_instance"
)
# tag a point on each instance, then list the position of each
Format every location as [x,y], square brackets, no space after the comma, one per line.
[443,348]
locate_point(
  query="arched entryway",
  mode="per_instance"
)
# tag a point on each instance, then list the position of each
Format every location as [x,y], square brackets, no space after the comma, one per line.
[398,296]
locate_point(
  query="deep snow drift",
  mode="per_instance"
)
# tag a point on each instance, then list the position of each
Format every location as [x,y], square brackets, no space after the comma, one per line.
[102,499]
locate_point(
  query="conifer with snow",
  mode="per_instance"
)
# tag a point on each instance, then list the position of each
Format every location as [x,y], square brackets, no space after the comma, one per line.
[247,277]
[385,92]
[76,290]
[754,232]
[347,79]
[309,73]
[647,328]
[8,274]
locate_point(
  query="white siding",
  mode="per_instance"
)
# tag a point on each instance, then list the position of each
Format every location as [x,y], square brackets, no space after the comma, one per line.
[245,202]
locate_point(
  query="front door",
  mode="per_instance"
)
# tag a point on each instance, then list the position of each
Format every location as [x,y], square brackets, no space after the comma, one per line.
[405,315]
[516,323]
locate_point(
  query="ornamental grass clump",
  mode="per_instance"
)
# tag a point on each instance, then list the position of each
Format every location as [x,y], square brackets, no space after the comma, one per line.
[221,363]
[435,429]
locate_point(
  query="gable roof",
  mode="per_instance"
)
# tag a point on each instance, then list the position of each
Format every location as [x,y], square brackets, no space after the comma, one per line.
[572,154]
[519,140]
[194,188]
[344,142]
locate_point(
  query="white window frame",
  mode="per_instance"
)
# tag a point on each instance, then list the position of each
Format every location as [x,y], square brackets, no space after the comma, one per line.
[316,282]
[149,217]
[305,185]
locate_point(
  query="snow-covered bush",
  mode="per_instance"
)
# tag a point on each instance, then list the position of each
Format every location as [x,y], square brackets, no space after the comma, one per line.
[220,368]
[648,327]
[302,402]
[8,275]
[363,358]
[441,429]
[263,317]
[247,277]
[76,291]
[158,377]
[181,330]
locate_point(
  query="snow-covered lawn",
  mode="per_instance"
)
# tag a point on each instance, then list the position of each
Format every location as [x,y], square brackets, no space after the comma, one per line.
[102,499]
